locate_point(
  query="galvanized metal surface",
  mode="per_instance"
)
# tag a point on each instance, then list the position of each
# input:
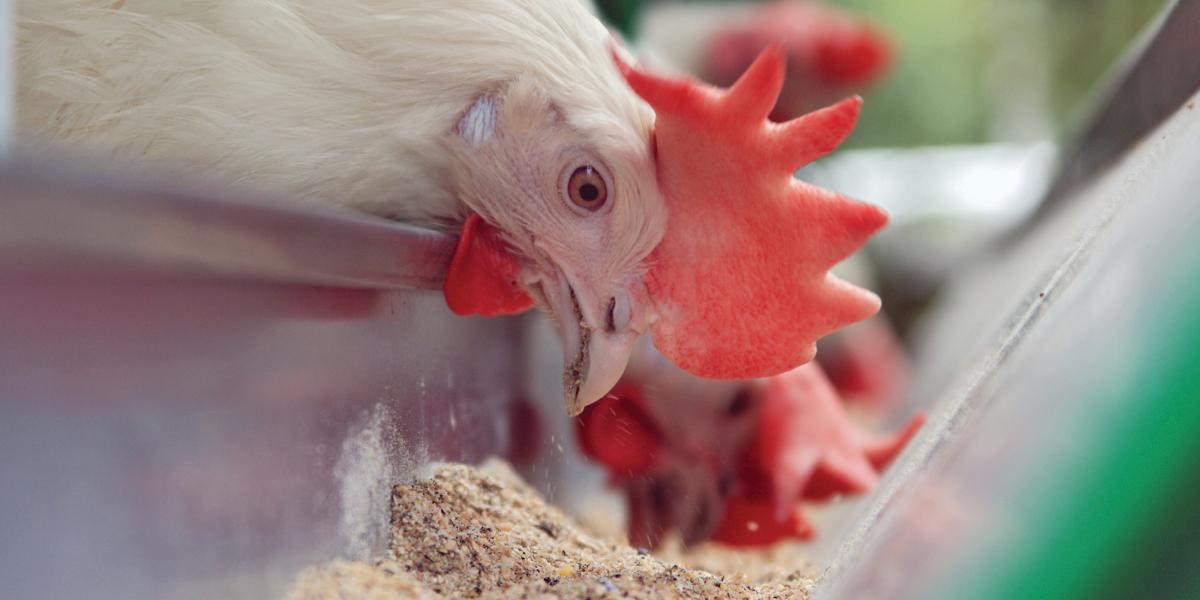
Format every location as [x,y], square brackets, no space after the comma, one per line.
[1022,418]
[67,215]
[199,396]
[1008,362]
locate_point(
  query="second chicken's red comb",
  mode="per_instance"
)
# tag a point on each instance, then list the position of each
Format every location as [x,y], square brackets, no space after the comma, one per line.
[741,279]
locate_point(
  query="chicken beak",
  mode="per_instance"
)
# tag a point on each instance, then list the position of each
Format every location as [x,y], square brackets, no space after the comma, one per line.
[594,353]
[607,356]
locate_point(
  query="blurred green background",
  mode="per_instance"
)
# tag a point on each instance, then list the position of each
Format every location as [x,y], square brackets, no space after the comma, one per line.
[973,71]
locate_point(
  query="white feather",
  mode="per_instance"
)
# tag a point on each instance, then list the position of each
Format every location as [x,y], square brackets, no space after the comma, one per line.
[479,124]
[344,101]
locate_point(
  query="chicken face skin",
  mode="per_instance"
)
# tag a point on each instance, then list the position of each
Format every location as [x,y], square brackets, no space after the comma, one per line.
[525,166]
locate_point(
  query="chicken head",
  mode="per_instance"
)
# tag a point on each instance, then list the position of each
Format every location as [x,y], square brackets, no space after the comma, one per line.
[694,230]
[564,214]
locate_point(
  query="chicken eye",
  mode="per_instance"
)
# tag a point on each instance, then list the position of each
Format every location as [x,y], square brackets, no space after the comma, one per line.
[587,189]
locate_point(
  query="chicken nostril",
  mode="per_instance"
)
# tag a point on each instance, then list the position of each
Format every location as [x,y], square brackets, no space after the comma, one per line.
[619,313]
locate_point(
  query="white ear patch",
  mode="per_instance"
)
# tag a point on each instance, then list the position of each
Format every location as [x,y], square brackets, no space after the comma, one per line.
[478,125]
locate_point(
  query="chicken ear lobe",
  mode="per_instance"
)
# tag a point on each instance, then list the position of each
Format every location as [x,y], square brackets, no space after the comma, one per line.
[482,279]
[741,279]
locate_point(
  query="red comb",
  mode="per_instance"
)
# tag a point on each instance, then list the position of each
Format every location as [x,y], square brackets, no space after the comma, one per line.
[741,278]
[752,522]
[808,446]
[853,57]
[616,432]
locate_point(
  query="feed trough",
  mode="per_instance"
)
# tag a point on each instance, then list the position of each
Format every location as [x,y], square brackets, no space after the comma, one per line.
[201,395]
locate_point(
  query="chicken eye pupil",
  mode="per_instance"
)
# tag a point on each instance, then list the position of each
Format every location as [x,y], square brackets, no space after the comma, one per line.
[589,192]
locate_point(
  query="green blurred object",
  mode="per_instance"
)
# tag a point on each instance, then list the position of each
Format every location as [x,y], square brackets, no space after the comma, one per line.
[1127,525]
[973,71]
[976,71]
[621,14]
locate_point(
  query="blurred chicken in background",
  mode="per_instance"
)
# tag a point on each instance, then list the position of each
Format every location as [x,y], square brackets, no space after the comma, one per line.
[729,461]
[831,52]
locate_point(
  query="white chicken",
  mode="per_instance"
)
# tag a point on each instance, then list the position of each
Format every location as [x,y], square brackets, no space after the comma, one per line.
[503,119]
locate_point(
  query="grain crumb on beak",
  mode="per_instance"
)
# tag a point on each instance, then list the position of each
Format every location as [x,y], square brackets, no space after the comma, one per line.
[594,355]
[574,373]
